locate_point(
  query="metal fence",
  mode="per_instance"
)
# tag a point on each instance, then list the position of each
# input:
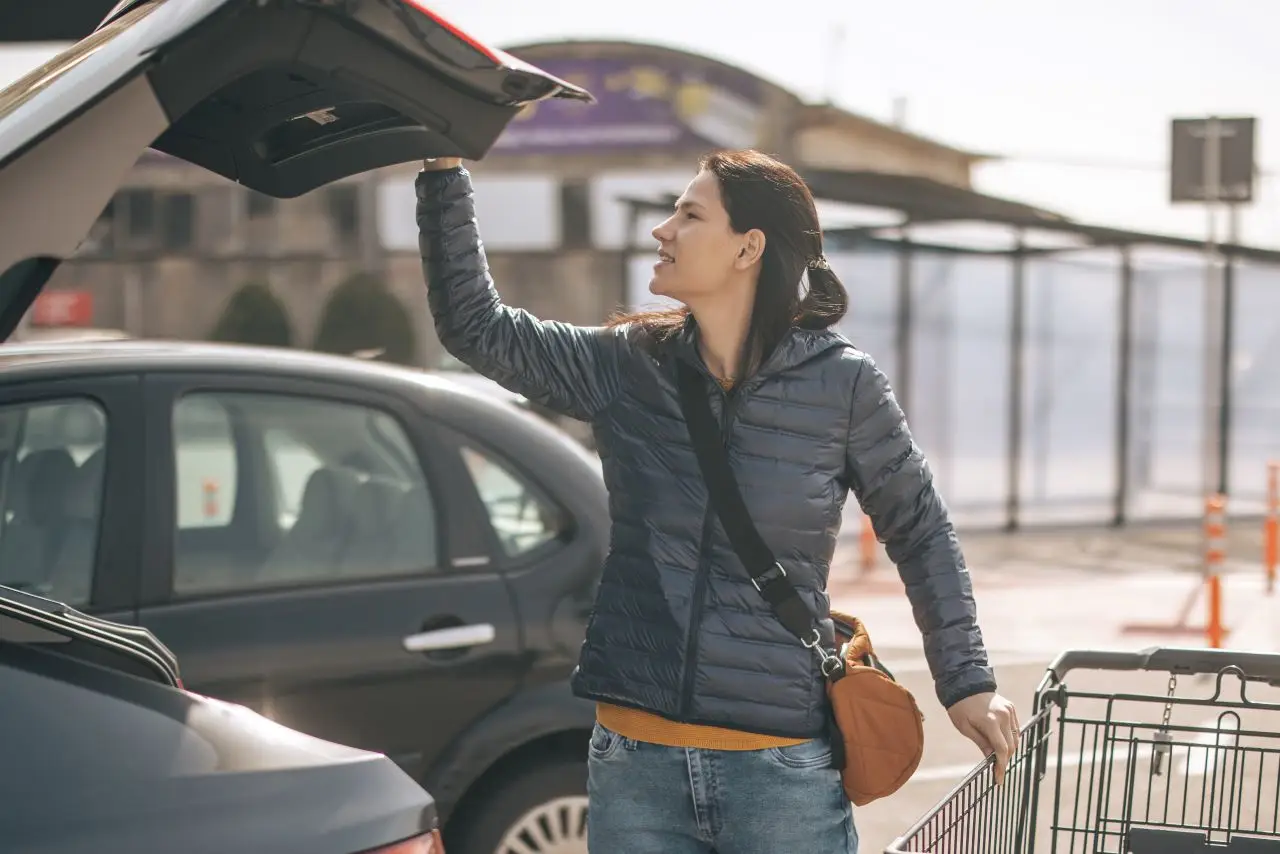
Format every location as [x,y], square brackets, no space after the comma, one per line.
[1072,446]
[1082,447]
[1054,372]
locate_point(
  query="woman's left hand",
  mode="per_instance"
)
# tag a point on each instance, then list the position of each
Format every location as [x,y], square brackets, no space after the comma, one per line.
[991,722]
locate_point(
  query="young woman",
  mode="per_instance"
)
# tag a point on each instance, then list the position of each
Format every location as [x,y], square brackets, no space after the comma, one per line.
[713,732]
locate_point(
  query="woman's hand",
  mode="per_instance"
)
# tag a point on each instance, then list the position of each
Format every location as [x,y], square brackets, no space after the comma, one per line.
[439,164]
[991,722]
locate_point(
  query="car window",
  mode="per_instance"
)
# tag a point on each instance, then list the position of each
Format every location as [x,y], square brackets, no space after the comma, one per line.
[521,519]
[307,491]
[206,463]
[52,457]
[292,463]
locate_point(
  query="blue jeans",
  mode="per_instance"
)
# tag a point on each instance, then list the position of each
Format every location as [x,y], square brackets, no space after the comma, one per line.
[649,799]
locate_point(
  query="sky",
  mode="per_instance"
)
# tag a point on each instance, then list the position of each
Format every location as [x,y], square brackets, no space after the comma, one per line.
[1076,97]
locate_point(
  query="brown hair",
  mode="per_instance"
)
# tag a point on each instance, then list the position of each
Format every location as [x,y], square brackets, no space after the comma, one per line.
[761,192]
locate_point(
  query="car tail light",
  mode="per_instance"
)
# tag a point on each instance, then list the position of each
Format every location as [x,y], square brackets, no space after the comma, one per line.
[427,843]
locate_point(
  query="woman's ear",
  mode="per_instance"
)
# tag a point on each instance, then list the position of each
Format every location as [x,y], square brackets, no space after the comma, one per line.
[751,250]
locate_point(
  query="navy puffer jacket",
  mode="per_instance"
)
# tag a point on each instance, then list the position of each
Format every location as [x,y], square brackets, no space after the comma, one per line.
[677,628]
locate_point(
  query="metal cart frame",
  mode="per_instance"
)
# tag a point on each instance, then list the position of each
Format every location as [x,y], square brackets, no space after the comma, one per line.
[1102,773]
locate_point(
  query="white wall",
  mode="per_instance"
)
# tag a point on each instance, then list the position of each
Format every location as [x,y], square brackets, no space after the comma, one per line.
[515,212]
[609,215]
[522,212]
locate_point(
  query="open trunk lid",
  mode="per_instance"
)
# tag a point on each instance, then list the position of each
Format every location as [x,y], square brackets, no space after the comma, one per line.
[282,96]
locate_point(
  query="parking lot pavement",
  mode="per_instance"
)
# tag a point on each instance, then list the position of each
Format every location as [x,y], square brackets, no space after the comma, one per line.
[1028,614]
[1032,614]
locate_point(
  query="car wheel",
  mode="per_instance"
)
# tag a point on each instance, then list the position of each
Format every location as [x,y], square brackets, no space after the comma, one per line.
[540,810]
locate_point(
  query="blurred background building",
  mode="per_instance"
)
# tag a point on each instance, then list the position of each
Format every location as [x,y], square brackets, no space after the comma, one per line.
[1052,371]
[551,198]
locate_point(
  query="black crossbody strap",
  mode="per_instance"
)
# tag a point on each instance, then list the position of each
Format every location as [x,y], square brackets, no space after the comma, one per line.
[767,574]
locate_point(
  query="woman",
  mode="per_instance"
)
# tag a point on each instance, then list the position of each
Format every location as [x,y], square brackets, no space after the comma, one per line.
[712,728]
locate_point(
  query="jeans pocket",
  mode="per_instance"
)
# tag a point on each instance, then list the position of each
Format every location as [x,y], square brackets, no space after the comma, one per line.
[814,753]
[604,742]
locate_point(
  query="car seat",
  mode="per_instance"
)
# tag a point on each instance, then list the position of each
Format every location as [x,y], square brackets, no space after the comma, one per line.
[71,571]
[33,537]
[314,546]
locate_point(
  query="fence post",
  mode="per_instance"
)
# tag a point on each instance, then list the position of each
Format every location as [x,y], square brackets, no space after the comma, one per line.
[1215,535]
[1271,527]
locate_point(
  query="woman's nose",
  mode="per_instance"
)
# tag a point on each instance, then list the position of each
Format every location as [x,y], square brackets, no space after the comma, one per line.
[662,232]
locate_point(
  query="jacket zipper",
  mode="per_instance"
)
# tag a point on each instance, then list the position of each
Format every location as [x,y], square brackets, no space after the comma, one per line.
[704,567]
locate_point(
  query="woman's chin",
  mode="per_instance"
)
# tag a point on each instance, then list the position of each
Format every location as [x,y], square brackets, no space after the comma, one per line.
[664,286]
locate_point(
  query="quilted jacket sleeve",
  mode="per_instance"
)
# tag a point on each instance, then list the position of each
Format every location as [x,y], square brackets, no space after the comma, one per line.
[894,485]
[571,370]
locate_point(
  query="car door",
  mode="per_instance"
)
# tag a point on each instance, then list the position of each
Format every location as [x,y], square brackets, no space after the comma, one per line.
[305,558]
[70,451]
[282,97]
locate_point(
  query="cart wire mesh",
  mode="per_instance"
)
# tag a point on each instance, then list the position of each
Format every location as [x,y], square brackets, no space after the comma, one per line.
[1108,773]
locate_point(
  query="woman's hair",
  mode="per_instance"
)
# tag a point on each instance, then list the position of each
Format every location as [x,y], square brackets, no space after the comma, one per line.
[761,192]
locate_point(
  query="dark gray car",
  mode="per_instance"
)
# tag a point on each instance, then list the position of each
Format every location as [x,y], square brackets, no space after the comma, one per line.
[102,750]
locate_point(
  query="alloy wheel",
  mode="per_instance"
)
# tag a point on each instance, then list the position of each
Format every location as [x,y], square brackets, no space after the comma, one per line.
[556,827]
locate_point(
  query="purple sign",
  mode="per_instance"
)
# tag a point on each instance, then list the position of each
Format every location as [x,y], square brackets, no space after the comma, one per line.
[639,105]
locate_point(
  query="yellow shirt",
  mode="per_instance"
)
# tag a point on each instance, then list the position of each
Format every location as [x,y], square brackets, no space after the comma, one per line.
[655,729]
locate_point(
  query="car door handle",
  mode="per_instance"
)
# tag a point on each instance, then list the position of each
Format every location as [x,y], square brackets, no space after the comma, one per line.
[454,637]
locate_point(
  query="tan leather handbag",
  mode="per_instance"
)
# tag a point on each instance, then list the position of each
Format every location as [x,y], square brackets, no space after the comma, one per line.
[880,723]
[881,727]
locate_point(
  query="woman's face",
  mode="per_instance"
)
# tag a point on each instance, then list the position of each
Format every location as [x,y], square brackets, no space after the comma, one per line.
[699,253]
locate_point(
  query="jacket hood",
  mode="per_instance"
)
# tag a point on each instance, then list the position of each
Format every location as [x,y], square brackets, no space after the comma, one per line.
[796,347]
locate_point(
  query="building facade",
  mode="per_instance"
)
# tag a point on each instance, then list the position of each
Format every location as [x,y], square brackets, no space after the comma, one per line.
[552,196]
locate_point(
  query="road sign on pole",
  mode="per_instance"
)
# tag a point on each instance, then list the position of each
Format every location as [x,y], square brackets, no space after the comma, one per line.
[1211,160]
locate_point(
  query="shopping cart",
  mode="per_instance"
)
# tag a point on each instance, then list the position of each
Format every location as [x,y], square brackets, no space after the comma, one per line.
[1147,772]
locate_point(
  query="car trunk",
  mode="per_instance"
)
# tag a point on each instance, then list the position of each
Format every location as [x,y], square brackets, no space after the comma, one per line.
[99,734]
[282,96]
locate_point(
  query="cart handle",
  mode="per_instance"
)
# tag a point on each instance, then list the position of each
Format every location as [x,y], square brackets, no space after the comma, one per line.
[1256,666]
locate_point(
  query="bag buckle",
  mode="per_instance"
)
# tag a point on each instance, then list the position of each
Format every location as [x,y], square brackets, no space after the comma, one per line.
[770,576]
[830,663]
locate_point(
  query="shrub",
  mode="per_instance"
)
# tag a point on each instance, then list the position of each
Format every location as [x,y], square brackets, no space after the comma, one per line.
[363,315]
[254,316]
